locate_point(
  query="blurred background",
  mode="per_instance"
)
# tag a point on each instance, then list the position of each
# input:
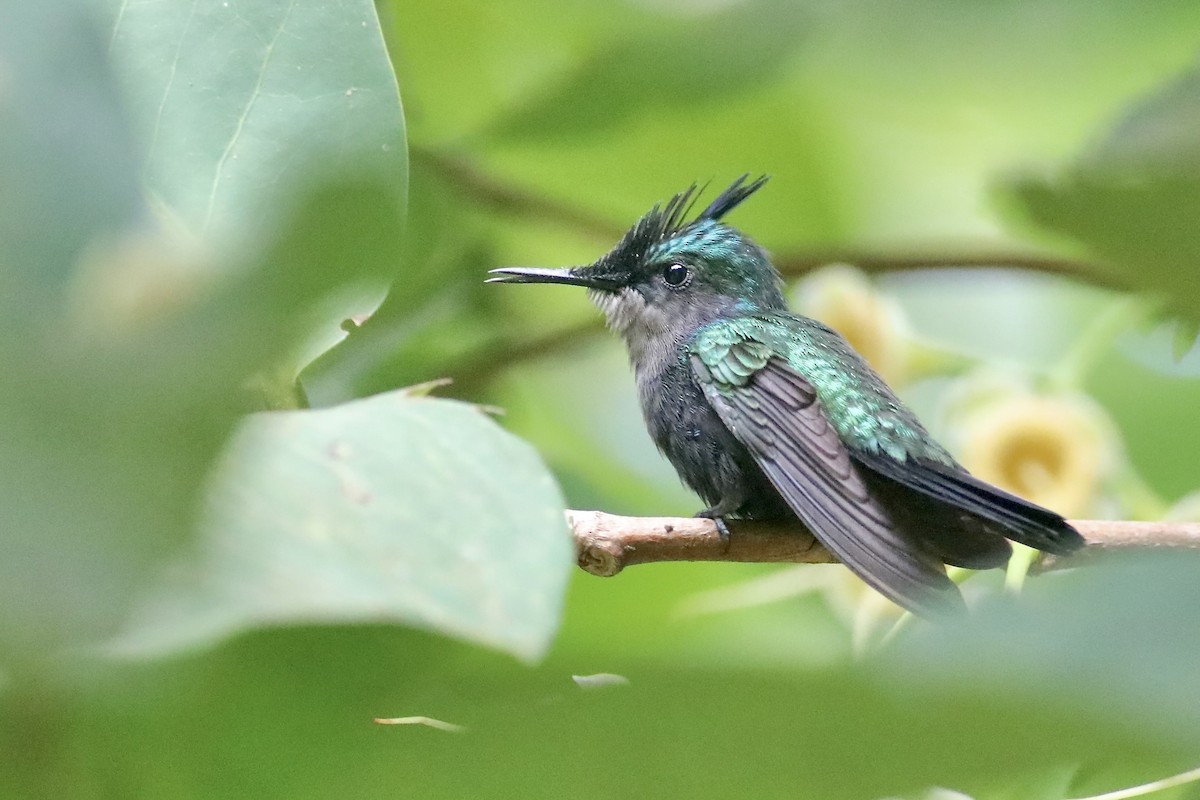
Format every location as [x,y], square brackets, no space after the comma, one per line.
[995,202]
[896,135]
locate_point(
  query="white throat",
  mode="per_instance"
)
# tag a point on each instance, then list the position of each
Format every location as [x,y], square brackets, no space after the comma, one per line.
[649,331]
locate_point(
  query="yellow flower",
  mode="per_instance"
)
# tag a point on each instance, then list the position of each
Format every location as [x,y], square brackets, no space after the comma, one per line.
[1057,450]
[844,298]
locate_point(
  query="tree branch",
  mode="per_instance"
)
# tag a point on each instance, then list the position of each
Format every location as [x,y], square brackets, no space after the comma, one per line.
[493,193]
[501,197]
[800,263]
[607,543]
[480,367]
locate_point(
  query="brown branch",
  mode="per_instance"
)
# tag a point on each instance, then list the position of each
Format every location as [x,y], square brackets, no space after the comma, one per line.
[491,192]
[495,194]
[607,543]
[480,367]
[798,264]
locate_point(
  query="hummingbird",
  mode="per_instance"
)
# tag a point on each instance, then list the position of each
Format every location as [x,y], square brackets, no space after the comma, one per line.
[767,414]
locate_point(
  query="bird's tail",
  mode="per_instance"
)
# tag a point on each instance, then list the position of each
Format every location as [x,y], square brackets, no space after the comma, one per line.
[963,519]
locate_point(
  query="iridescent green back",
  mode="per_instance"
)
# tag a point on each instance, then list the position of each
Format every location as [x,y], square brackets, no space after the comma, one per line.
[864,410]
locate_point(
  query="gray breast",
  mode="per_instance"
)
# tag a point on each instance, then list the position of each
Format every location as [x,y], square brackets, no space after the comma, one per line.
[693,438]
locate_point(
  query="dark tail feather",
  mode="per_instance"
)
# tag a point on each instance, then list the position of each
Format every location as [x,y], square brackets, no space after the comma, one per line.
[953,535]
[1012,517]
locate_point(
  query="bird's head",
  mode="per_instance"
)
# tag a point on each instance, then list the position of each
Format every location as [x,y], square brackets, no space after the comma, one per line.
[670,274]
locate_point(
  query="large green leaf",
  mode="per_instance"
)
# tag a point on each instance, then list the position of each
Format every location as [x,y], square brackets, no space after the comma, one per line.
[1086,670]
[236,103]
[1133,199]
[125,339]
[93,479]
[61,129]
[1112,631]
[1008,693]
[390,509]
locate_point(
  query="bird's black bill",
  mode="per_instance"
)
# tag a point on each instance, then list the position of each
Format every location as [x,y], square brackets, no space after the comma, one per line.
[538,275]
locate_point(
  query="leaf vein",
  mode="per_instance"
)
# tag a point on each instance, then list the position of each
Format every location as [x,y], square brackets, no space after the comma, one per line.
[255,93]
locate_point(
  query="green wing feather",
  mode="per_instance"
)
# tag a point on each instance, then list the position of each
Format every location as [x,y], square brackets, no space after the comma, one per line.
[775,412]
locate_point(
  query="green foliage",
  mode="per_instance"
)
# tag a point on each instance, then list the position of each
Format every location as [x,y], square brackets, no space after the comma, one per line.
[95,449]
[134,324]
[1133,199]
[307,97]
[200,602]
[745,45]
[391,508]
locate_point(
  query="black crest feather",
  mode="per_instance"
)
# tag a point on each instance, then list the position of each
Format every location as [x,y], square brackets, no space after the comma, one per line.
[662,222]
[729,199]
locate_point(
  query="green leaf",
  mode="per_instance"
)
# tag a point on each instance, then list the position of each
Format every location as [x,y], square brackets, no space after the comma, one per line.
[1005,696]
[56,86]
[274,132]
[389,509]
[1111,631]
[1132,201]
[1030,707]
[342,232]
[95,461]
[1186,331]
[1157,134]
[441,265]
[125,339]
[237,103]
[683,63]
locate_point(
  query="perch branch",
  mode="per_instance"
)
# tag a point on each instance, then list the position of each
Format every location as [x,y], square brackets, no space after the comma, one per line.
[607,543]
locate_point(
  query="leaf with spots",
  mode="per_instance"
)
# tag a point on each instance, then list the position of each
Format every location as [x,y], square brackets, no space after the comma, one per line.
[395,508]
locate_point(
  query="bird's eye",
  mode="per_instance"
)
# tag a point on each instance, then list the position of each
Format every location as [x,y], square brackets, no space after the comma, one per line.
[676,275]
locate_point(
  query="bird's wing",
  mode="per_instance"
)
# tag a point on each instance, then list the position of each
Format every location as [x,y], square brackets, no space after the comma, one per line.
[775,412]
[1021,521]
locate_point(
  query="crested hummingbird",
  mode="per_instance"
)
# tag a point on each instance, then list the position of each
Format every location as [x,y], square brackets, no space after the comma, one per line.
[767,414]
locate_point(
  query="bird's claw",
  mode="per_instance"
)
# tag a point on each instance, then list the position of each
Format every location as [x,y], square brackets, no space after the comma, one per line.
[722,531]
[722,528]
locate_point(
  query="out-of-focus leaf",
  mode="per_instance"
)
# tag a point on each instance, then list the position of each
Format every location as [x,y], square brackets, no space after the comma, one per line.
[1133,200]
[893,726]
[1186,331]
[1008,698]
[1157,135]
[1111,631]
[273,134]
[125,339]
[93,484]
[237,102]
[1012,691]
[684,62]
[61,128]
[342,232]
[390,509]
[382,353]
[1048,784]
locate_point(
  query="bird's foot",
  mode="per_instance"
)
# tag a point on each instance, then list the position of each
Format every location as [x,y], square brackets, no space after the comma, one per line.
[719,520]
